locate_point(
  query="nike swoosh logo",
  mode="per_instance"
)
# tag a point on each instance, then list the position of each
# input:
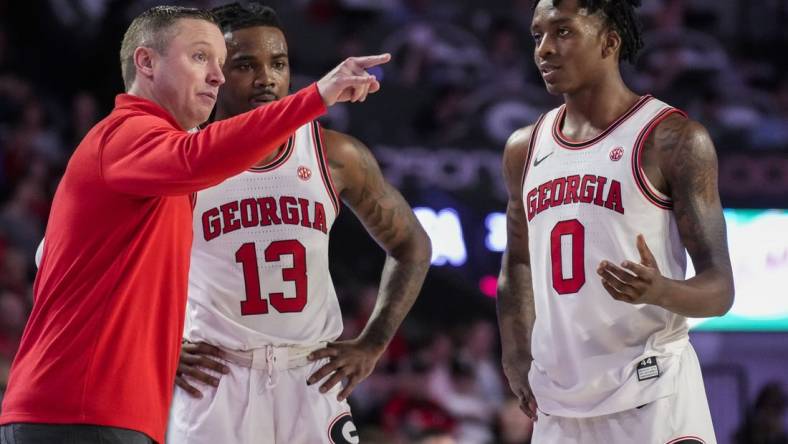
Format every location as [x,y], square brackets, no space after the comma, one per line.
[538,161]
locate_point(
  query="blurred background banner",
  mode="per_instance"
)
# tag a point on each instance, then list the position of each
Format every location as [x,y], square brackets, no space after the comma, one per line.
[461,80]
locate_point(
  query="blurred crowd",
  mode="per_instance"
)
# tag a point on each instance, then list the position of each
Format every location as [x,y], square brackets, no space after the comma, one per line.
[461,77]
[435,385]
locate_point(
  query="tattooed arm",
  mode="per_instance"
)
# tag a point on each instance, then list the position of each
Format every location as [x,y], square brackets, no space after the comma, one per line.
[515,302]
[390,221]
[688,162]
[679,159]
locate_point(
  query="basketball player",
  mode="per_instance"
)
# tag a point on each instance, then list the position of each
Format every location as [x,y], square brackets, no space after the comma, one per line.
[261,298]
[605,194]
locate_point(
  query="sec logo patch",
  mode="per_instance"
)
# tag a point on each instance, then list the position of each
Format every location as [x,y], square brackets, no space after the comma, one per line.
[343,430]
[304,173]
[616,153]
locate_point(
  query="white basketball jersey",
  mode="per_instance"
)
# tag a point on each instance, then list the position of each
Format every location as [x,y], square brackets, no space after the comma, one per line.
[586,202]
[259,264]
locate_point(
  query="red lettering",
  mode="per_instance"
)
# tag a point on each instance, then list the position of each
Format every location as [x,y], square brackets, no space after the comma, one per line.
[320,218]
[289,210]
[573,189]
[571,195]
[557,191]
[211,225]
[229,217]
[263,211]
[268,214]
[532,203]
[544,197]
[600,188]
[587,188]
[304,212]
[614,197]
[250,216]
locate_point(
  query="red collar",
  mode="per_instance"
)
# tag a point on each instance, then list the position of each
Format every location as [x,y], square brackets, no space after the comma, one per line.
[137,103]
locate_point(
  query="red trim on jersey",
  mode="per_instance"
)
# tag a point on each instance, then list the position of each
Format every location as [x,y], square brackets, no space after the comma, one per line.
[568,143]
[280,160]
[676,440]
[531,145]
[193,200]
[637,166]
[325,172]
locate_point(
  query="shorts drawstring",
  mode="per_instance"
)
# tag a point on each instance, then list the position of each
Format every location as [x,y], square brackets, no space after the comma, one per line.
[270,361]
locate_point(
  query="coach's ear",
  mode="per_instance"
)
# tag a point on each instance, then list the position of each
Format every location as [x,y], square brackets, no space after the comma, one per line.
[144,59]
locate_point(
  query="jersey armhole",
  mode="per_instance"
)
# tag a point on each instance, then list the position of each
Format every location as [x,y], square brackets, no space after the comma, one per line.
[322,160]
[531,145]
[645,186]
[278,160]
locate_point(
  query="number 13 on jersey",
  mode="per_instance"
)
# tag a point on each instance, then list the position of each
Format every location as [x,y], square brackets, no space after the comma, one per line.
[254,303]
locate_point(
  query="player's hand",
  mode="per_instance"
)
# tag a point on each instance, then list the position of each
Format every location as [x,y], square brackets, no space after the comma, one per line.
[350,81]
[193,360]
[353,360]
[516,371]
[635,283]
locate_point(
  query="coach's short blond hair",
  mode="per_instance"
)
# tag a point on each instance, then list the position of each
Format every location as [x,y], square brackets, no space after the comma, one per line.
[153,29]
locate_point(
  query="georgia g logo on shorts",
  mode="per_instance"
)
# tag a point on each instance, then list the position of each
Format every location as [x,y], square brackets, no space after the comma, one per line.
[342,430]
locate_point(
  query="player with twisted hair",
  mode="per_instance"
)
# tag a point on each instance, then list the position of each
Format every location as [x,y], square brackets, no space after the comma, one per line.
[607,194]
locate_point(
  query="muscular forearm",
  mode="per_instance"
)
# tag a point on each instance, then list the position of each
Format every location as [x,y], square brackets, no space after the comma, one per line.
[400,284]
[515,307]
[709,293]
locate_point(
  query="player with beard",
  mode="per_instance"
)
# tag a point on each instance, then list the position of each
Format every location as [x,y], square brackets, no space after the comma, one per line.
[262,313]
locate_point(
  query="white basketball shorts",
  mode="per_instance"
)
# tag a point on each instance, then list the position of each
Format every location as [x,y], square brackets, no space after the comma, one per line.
[681,418]
[253,405]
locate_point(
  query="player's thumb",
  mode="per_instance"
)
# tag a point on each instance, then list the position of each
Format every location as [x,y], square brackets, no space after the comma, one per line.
[646,257]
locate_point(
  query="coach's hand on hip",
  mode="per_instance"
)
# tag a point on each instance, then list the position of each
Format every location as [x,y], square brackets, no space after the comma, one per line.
[353,360]
[194,360]
[516,371]
[350,81]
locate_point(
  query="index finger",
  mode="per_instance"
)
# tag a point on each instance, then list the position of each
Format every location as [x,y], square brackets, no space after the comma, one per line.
[370,61]
[212,364]
[203,349]
[327,352]
[639,270]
